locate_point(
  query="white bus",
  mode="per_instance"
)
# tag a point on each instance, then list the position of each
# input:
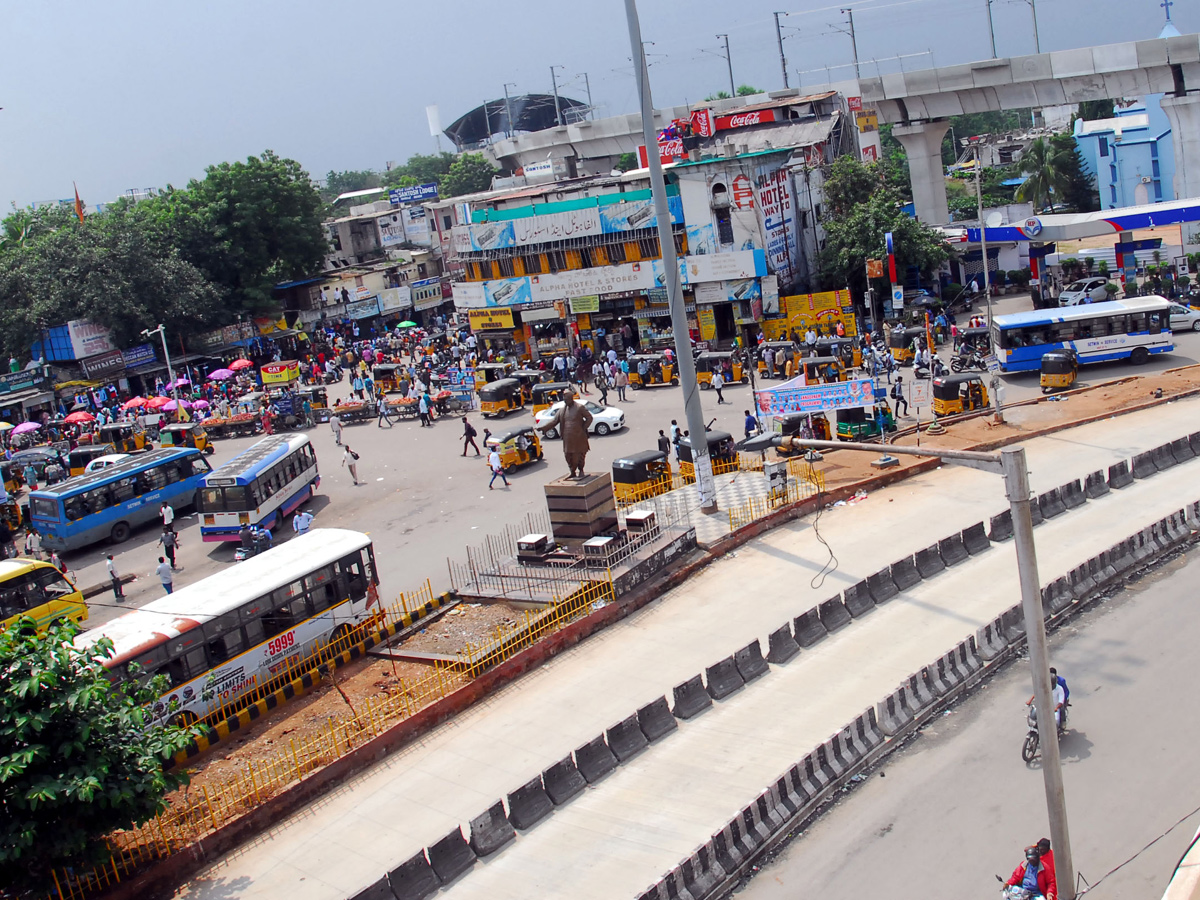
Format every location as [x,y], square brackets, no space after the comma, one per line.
[212,638]
[260,486]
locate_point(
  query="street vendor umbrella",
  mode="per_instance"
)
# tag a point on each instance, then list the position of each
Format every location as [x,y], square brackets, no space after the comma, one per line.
[220,375]
[240,364]
[134,403]
[180,382]
[5,426]
[78,418]
[170,406]
[407,325]
[26,427]
[158,402]
[200,404]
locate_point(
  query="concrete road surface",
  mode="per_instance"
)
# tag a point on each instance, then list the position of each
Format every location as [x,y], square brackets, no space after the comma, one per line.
[958,805]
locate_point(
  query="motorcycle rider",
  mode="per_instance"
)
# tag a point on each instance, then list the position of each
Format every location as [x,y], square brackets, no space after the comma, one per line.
[1058,693]
[1033,875]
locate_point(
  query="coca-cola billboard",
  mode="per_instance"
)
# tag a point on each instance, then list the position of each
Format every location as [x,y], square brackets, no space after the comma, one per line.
[669,151]
[702,123]
[745,119]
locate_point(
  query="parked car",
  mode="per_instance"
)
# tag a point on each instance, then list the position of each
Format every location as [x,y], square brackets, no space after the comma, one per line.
[1184,318]
[1086,290]
[605,419]
[103,462]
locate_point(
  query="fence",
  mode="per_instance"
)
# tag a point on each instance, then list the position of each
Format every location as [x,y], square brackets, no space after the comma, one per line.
[193,815]
[804,481]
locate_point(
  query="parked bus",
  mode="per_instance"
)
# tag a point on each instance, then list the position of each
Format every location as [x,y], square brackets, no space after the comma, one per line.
[212,637]
[258,487]
[112,502]
[1129,329]
[30,587]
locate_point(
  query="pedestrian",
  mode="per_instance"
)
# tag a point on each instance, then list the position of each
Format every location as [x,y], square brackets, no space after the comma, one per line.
[56,561]
[622,379]
[602,387]
[664,444]
[302,521]
[164,572]
[751,424]
[335,423]
[718,382]
[30,474]
[115,577]
[350,461]
[676,436]
[898,396]
[469,433]
[423,409]
[384,414]
[169,541]
[497,468]
[166,514]
[33,543]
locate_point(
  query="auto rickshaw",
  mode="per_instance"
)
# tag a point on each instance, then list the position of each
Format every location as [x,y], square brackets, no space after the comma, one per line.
[847,348]
[781,351]
[317,396]
[900,342]
[8,472]
[387,377]
[814,426]
[184,434]
[729,363]
[641,475]
[528,378]
[974,339]
[498,398]
[720,449]
[1059,369]
[546,394]
[517,447]
[858,424]
[823,369]
[659,370]
[124,438]
[78,459]
[953,394]
[486,373]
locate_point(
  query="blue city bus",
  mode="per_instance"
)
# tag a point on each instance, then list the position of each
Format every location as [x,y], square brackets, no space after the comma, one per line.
[110,503]
[1129,329]
[260,486]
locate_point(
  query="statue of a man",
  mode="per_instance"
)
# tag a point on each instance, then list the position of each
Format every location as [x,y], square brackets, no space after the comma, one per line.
[572,422]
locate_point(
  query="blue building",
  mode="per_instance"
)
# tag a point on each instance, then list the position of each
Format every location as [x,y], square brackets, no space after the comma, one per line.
[1131,154]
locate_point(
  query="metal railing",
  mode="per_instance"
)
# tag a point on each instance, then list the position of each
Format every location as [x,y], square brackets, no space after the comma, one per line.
[804,482]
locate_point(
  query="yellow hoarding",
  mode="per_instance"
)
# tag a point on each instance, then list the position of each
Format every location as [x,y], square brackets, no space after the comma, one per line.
[491,319]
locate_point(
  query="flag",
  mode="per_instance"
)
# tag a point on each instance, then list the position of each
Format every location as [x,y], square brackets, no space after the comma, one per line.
[78,203]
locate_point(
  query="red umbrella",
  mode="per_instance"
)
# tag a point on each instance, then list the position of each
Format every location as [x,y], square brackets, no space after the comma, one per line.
[134,403]
[158,402]
[78,418]
[238,364]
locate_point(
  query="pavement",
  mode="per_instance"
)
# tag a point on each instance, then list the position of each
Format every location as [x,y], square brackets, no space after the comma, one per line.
[618,837]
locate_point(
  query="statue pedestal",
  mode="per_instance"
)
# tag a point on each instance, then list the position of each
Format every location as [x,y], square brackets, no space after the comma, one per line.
[581,508]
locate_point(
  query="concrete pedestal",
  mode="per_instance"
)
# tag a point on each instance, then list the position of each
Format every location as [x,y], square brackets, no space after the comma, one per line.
[581,508]
[1184,116]
[922,141]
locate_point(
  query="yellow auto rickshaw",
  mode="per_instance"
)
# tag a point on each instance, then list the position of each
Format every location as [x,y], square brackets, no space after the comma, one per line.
[185,434]
[647,369]
[641,475]
[954,394]
[387,377]
[781,353]
[848,348]
[528,379]
[8,471]
[823,369]
[498,398]
[78,459]
[486,373]
[900,343]
[1059,370]
[807,426]
[517,447]
[124,438]
[721,451]
[729,363]
[546,394]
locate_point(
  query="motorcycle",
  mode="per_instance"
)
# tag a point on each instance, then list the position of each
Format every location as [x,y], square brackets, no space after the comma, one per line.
[968,362]
[1030,748]
[261,543]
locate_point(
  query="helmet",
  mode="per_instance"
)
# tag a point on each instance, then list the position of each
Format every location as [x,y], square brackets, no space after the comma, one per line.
[1033,854]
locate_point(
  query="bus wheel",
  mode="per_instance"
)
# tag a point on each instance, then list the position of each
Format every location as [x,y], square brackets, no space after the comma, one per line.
[119,533]
[183,719]
[338,638]
[1139,356]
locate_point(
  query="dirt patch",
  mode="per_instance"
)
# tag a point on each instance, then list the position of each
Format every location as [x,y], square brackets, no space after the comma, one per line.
[468,624]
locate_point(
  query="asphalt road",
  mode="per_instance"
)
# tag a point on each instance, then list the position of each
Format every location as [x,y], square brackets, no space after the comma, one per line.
[957,806]
[422,502]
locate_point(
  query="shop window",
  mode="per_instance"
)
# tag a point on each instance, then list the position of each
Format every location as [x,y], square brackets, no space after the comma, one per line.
[506,267]
[633,252]
[533,264]
[681,244]
[616,254]
[589,258]
[724,226]
[574,259]
[556,260]
[648,248]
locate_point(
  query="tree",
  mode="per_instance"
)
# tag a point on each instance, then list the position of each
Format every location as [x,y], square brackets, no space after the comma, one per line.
[468,174]
[1091,110]
[337,183]
[627,161]
[1044,165]
[79,756]
[420,169]
[745,90]
[719,95]
[1079,191]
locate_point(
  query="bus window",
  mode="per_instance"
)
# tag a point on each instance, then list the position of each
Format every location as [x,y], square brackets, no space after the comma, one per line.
[255,632]
[1137,323]
[150,480]
[53,585]
[224,637]
[1155,323]
[171,473]
[210,499]
[44,508]
[75,508]
[184,668]
[12,601]
[122,490]
[97,499]
[354,576]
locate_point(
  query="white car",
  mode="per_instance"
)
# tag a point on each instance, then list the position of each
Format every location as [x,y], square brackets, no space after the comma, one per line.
[1184,318]
[103,462]
[1086,290]
[605,419]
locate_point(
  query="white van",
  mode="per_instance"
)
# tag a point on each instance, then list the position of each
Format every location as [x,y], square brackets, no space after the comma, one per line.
[1086,290]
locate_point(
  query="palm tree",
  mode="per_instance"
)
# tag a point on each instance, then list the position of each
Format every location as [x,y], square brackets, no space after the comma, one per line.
[1045,168]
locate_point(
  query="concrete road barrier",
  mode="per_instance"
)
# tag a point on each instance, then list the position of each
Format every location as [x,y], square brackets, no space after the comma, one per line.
[857,599]
[758,830]
[451,856]
[975,539]
[990,640]
[530,803]
[791,795]
[690,699]
[919,693]
[595,760]
[1051,504]
[655,720]
[812,778]
[750,663]
[380,890]
[413,879]
[905,574]
[952,550]
[808,628]
[1073,496]
[833,615]
[882,587]
[723,678]
[929,562]
[701,871]
[824,763]
[1095,486]
[492,830]
[941,677]
[1012,624]
[771,809]
[781,646]
[726,849]
[1056,596]
[1143,546]
[1194,441]
[1002,527]
[1162,456]
[1143,465]
[1080,583]
[1125,559]
[894,712]
[669,887]
[1182,450]
[968,657]
[563,782]
[1119,475]
[626,739]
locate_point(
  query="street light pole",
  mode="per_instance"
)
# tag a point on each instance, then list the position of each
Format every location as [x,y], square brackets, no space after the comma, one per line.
[782,58]
[161,331]
[557,105]
[987,289]
[729,62]
[1037,42]
[991,27]
[701,462]
[853,41]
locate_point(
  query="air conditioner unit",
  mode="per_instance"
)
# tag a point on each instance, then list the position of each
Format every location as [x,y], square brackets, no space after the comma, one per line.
[1146,179]
[729,150]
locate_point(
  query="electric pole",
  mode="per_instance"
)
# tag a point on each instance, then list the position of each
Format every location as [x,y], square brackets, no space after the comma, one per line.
[587,86]
[991,27]
[729,62]
[782,58]
[557,105]
[853,41]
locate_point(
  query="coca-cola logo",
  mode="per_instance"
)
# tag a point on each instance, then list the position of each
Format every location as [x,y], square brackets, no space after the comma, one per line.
[744,120]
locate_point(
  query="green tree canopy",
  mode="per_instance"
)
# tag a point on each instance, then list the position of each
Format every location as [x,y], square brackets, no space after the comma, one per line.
[78,756]
[719,95]
[627,161]
[420,169]
[1079,191]
[468,174]
[1090,110]
[1045,166]
[337,183]
[746,90]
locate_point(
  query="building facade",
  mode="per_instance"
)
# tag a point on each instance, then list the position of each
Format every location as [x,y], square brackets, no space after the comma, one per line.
[1131,155]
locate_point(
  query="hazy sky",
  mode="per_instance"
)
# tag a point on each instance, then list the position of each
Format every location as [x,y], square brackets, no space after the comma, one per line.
[119,94]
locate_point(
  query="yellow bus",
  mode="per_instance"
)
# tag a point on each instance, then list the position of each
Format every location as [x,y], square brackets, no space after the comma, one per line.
[30,587]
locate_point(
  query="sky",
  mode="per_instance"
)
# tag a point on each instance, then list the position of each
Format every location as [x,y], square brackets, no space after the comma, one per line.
[125,94]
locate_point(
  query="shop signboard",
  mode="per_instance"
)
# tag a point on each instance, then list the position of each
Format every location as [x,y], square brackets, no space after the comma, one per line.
[491,236]
[743,192]
[141,355]
[769,285]
[822,311]
[394,299]
[746,119]
[702,123]
[707,322]
[733,266]
[416,225]
[89,339]
[816,398]
[104,364]
[587,304]
[427,293]
[491,320]
[413,194]
[470,294]
[363,309]
[777,205]
[556,226]
[38,376]
[710,292]
[391,229]
[280,372]
[635,215]
[745,290]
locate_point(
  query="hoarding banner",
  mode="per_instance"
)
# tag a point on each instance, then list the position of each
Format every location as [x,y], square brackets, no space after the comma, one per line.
[104,364]
[491,320]
[770,295]
[617,218]
[411,194]
[491,236]
[89,339]
[585,304]
[816,398]
[778,207]
[556,226]
[363,309]
[391,229]
[741,120]
[393,299]
[141,355]
[702,123]
[280,372]
[416,225]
